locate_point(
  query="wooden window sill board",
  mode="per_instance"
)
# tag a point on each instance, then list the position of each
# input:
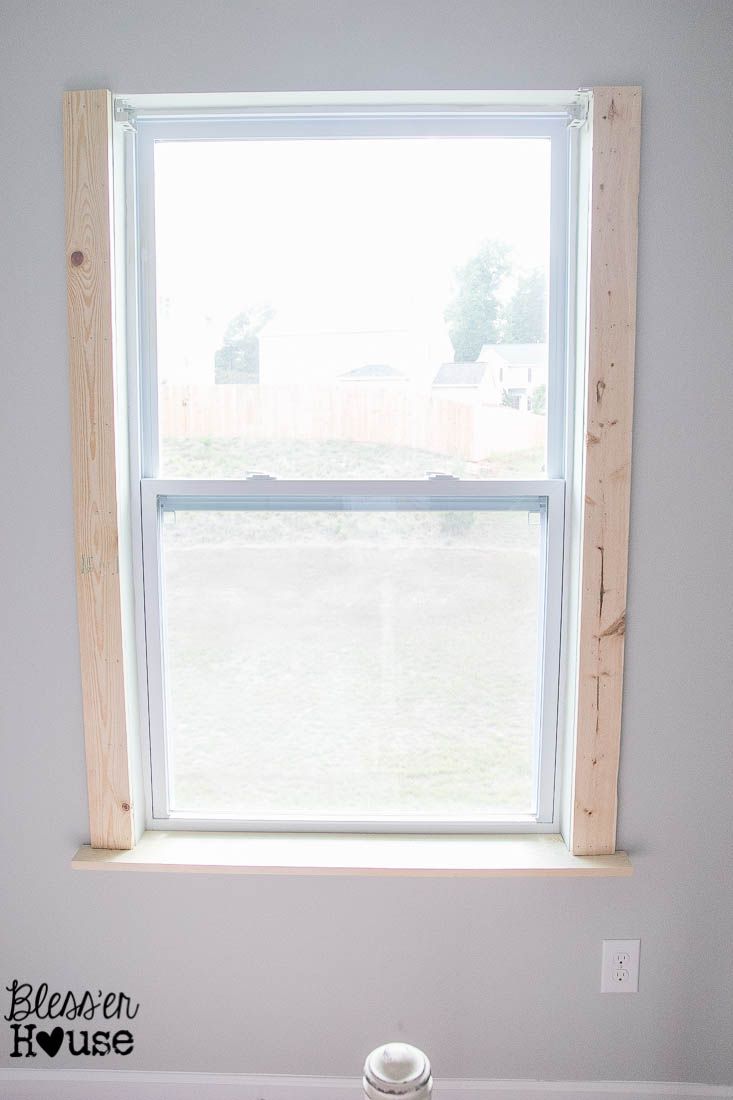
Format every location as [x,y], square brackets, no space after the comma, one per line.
[351,854]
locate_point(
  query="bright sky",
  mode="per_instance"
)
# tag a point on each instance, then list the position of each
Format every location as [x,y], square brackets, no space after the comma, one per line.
[338,234]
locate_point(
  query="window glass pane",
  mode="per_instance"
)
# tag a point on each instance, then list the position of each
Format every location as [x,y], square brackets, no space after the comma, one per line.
[367,308]
[351,664]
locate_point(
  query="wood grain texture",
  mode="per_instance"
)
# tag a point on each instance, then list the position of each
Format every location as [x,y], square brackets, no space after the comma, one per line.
[612,319]
[90,302]
[352,854]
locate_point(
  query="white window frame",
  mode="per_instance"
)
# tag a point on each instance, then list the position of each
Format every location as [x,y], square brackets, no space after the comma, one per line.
[598,520]
[545,494]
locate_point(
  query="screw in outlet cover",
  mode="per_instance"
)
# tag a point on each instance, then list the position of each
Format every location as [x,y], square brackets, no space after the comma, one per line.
[620,966]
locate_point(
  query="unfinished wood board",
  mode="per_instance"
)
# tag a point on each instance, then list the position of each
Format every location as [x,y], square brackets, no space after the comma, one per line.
[612,317]
[355,854]
[88,175]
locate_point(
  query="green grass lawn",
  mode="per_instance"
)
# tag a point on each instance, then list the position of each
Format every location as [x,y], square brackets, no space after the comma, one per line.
[209,457]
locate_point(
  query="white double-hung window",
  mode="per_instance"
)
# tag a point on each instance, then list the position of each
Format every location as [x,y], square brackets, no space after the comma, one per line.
[351,400]
[350,395]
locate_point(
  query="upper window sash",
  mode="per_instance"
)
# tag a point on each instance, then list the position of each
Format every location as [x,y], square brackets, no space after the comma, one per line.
[553,124]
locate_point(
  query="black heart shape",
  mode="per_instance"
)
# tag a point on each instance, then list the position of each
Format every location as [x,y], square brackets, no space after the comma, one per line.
[50,1042]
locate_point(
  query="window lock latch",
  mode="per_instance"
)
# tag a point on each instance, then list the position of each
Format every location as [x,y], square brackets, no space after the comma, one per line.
[255,475]
[438,475]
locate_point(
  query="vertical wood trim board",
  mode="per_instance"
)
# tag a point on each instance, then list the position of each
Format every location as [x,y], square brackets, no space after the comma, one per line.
[90,305]
[610,384]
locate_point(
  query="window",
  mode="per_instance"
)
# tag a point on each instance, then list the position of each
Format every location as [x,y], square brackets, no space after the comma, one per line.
[366,634]
[355,543]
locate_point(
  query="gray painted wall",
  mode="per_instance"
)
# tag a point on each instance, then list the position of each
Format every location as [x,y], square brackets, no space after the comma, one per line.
[495,978]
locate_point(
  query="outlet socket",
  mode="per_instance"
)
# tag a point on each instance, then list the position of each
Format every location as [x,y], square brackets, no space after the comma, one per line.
[620,966]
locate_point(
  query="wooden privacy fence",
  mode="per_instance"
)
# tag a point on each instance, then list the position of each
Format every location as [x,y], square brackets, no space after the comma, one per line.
[357,413]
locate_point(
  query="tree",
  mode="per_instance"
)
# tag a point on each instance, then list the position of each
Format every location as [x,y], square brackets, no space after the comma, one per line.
[238,359]
[474,315]
[538,400]
[526,313]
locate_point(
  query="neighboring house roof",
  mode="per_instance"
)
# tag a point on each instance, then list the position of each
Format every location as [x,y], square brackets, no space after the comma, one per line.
[460,374]
[381,371]
[518,355]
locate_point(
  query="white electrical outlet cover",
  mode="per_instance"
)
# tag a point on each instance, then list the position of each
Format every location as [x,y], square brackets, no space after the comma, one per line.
[620,967]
